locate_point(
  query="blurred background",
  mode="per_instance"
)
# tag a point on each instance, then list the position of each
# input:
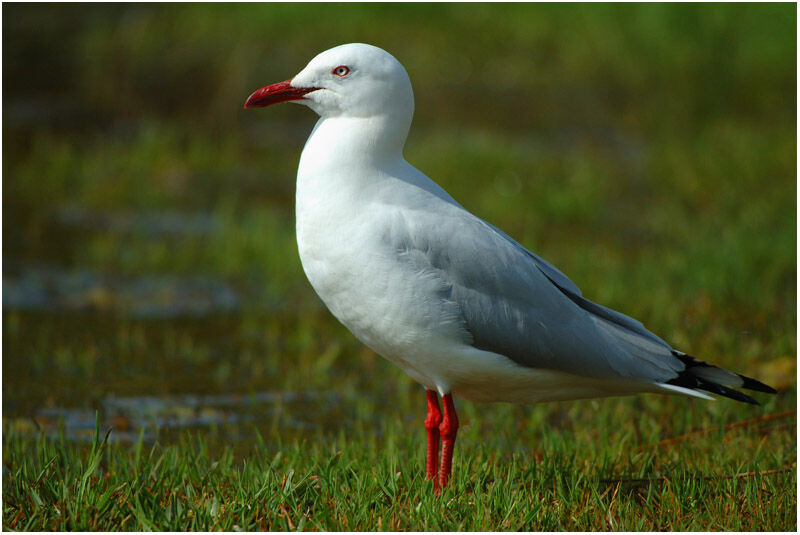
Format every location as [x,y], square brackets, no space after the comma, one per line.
[150,270]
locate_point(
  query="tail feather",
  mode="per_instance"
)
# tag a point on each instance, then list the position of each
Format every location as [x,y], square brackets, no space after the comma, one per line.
[699,375]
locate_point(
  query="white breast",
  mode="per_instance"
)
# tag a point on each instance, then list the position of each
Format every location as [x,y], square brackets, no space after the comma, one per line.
[386,302]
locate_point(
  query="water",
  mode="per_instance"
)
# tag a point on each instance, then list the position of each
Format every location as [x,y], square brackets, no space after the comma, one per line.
[152,355]
[163,418]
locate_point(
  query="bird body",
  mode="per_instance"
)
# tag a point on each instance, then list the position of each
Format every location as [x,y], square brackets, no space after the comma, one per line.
[455,302]
[368,247]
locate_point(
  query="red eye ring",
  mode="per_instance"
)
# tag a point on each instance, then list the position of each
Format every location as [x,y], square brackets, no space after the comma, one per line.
[341,71]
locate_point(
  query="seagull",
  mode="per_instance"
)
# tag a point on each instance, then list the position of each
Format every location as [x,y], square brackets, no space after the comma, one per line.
[454,301]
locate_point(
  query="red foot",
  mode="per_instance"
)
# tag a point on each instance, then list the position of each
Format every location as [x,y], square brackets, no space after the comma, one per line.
[448,429]
[432,425]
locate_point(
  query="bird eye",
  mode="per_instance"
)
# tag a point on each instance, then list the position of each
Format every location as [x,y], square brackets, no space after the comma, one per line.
[341,71]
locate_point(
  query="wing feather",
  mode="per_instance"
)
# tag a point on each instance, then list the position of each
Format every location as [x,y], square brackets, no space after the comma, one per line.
[516,304]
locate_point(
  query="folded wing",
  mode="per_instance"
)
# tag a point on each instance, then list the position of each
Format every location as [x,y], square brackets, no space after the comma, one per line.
[516,304]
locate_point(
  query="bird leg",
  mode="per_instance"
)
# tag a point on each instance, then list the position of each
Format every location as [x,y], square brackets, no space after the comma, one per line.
[447,429]
[432,425]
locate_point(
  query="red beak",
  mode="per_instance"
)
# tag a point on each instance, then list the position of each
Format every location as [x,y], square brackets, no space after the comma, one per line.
[275,93]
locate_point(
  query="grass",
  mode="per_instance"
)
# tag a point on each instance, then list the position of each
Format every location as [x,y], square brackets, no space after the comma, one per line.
[648,151]
[372,478]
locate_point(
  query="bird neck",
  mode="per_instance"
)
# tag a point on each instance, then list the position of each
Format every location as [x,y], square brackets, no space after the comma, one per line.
[343,143]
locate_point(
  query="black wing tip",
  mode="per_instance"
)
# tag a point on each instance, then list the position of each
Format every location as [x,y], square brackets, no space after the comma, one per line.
[738,396]
[748,383]
[751,384]
[692,382]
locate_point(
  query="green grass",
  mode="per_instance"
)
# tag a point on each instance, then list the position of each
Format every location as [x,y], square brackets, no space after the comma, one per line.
[620,477]
[648,151]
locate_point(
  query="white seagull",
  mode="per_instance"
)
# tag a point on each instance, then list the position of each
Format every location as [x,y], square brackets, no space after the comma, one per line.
[454,301]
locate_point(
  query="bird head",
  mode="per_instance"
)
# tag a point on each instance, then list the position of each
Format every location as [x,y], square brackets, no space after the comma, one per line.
[353,80]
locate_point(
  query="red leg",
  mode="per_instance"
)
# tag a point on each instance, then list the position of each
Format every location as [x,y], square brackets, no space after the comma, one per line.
[432,425]
[448,429]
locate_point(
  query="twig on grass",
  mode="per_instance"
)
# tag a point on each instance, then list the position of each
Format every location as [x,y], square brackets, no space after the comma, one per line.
[735,425]
[286,515]
[667,479]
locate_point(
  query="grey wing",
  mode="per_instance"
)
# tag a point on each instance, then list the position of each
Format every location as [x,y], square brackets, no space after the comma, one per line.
[574,293]
[516,304]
